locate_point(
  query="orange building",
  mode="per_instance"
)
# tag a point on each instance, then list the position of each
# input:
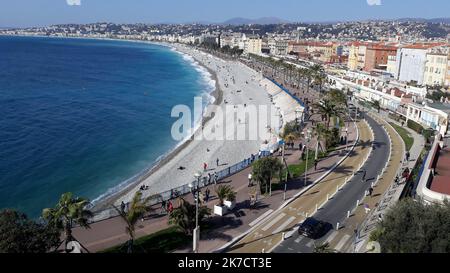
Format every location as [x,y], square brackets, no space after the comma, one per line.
[377,56]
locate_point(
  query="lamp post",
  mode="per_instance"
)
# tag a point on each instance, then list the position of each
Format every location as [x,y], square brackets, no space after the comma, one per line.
[308,139]
[196,236]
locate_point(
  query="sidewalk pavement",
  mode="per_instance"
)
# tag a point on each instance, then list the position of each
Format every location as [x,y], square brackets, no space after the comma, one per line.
[111,232]
[268,233]
[386,193]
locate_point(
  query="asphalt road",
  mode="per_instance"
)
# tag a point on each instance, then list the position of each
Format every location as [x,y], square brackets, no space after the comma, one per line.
[336,209]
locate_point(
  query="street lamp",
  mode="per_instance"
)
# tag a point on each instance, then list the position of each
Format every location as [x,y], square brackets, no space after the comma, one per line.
[308,139]
[196,236]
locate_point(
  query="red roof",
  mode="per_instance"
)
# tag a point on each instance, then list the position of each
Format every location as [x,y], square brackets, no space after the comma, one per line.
[424,45]
[441,182]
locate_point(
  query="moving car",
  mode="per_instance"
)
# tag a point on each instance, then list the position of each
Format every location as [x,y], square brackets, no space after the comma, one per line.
[313,228]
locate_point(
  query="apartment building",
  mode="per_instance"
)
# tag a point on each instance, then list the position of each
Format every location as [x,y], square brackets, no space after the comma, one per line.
[377,56]
[436,66]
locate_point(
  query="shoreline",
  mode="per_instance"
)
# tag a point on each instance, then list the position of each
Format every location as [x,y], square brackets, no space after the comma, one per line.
[108,201]
[189,152]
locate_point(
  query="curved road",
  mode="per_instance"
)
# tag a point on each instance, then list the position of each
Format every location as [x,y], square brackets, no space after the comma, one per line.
[335,210]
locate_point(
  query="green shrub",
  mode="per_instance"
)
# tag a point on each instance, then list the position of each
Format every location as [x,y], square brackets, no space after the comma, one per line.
[415,126]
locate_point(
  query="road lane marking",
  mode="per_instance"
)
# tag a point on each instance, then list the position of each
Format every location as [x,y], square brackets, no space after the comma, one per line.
[342,242]
[299,239]
[310,243]
[284,225]
[257,220]
[271,223]
[331,237]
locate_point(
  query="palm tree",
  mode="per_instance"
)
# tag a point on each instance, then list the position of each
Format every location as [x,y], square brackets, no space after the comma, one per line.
[68,212]
[137,209]
[264,169]
[376,105]
[184,216]
[321,133]
[324,248]
[328,109]
[225,192]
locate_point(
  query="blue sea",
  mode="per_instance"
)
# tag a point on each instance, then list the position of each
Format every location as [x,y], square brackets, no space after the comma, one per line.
[85,116]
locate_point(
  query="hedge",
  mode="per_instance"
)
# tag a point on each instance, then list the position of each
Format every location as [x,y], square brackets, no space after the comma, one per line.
[415,126]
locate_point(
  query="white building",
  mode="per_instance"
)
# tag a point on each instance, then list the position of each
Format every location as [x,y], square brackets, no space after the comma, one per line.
[391,65]
[411,62]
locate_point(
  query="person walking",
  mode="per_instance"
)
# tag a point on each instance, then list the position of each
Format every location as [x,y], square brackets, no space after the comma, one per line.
[370,191]
[216,177]
[122,207]
[205,166]
[407,155]
[163,207]
[169,207]
[364,175]
[315,164]
[367,208]
[207,192]
[217,162]
[250,180]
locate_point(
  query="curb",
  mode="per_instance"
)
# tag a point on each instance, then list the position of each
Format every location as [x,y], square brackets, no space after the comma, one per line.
[221,249]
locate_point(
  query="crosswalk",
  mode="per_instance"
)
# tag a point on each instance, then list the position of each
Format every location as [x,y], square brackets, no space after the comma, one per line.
[342,242]
[284,225]
[273,222]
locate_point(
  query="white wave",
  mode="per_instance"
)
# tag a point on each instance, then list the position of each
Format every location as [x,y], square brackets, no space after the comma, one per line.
[209,85]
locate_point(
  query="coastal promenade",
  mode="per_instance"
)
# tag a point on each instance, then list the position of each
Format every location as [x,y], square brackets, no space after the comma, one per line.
[269,233]
[111,232]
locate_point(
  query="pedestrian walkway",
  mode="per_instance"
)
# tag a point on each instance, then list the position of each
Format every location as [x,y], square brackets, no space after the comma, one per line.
[363,220]
[265,236]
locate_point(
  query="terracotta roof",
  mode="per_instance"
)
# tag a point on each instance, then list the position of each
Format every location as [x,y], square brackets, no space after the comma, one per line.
[441,182]
[424,45]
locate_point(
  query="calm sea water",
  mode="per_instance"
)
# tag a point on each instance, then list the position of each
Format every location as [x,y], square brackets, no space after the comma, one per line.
[85,115]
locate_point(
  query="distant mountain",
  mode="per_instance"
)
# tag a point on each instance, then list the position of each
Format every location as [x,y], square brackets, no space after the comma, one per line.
[259,21]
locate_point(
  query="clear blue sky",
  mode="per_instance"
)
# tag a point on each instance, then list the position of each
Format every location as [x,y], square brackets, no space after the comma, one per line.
[21,13]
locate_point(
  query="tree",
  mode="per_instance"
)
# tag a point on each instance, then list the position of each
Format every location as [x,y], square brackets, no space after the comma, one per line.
[338,97]
[414,227]
[19,234]
[68,212]
[376,105]
[264,169]
[136,211]
[327,108]
[225,192]
[324,248]
[184,216]
[321,133]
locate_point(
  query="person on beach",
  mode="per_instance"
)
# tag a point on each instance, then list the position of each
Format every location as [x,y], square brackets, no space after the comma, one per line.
[205,166]
[217,162]
[122,207]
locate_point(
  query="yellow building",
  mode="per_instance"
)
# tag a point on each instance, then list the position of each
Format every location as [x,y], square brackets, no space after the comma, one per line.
[436,66]
[353,57]
[357,56]
[253,45]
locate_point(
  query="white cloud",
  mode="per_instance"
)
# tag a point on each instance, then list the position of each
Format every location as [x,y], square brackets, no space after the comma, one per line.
[374,2]
[73,2]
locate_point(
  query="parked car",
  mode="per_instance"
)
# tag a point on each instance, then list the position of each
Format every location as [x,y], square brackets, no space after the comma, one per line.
[313,228]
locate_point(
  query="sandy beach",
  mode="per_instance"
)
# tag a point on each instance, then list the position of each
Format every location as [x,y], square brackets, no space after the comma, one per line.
[236,84]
